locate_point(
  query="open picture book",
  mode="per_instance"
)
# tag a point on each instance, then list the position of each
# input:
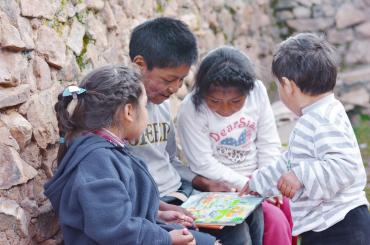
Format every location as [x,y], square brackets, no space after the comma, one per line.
[219,209]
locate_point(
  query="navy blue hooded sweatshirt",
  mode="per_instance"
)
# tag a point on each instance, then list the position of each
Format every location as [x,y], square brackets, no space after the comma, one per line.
[103,195]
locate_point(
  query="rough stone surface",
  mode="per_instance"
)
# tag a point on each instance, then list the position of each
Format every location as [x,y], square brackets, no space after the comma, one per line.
[9,35]
[75,39]
[39,8]
[70,71]
[302,12]
[25,30]
[348,15]
[41,71]
[13,217]
[285,120]
[360,74]
[19,127]
[5,76]
[109,18]
[41,115]
[341,36]
[13,67]
[358,97]
[95,4]
[363,30]
[51,46]
[97,30]
[358,52]
[6,138]
[30,206]
[15,170]
[14,96]
[313,25]
[32,155]
[47,223]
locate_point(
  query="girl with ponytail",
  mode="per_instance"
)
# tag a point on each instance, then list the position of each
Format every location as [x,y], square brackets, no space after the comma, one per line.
[100,191]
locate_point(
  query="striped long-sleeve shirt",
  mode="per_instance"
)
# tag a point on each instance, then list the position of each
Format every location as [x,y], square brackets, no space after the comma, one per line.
[324,155]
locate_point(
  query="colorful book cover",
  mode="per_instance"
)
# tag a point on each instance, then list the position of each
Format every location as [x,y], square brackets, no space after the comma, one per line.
[221,208]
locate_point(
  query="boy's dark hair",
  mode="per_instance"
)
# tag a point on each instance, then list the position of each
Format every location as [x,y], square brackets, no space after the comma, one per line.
[163,42]
[309,61]
[107,89]
[225,67]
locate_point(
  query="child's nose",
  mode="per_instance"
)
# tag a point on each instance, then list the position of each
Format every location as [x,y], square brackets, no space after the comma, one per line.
[173,88]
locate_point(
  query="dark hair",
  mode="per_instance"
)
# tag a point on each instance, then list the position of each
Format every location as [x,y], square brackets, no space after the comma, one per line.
[225,67]
[309,61]
[107,89]
[163,42]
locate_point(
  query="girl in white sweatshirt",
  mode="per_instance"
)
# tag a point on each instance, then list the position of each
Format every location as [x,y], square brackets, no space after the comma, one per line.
[227,129]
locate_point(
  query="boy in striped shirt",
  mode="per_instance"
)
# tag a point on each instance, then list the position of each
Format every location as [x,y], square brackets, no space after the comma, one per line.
[322,171]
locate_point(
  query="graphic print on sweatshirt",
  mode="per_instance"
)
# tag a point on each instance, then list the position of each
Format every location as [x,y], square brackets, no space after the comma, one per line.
[233,141]
[154,133]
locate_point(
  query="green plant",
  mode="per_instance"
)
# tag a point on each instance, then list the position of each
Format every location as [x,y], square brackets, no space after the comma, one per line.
[81,59]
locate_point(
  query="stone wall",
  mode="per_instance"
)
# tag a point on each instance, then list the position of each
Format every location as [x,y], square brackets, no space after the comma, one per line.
[346,25]
[46,44]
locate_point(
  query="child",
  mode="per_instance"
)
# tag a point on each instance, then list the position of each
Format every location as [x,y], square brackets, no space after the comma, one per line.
[227,129]
[322,171]
[164,49]
[101,193]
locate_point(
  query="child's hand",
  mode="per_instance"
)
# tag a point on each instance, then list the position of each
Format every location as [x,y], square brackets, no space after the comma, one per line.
[174,217]
[182,237]
[204,184]
[245,190]
[289,184]
[170,207]
[217,242]
[277,201]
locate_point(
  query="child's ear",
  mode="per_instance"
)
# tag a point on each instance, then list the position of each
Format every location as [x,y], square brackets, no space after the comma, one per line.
[288,86]
[140,61]
[128,112]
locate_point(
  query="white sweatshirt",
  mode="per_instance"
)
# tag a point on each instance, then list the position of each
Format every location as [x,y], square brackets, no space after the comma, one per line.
[229,148]
[157,147]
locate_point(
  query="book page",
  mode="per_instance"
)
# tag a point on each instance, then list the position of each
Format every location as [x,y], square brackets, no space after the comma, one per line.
[221,208]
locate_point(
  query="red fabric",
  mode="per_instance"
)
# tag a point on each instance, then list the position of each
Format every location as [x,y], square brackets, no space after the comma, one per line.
[278,230]
[285,207]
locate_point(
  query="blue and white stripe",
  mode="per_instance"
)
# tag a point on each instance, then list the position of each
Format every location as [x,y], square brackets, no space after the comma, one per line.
[324,155]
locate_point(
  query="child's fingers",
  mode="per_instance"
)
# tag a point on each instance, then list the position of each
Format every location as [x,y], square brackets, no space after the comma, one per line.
[288,191]
[280,183]
[254,193]
[187,224]
[283,189]
[187,213]
[192,242]
[244,190]
[187,218]
[187,236]
[185,231]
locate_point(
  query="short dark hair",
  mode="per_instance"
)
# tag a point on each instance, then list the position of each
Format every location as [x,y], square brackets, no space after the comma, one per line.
[225,67]
[107,89]
[163,42]
[309,61]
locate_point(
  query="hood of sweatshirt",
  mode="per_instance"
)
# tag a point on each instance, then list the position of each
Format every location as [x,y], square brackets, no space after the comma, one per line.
[77,151]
